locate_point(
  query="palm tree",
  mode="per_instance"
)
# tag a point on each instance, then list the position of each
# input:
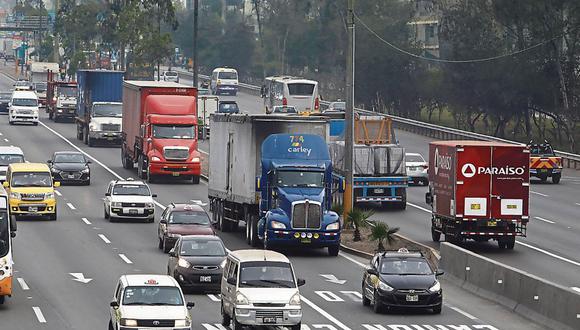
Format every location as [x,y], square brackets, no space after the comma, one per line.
[358,219]
[380,231]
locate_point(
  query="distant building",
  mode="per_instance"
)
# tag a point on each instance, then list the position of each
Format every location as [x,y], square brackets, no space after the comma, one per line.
[425,23]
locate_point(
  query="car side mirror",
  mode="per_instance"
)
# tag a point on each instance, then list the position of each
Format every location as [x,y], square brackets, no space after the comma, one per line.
[49,161]
[5,184]
[108,194]
[56,184]
[428,198]
[12,234]
[300,282]
[439,272]
[163,221]
[172,253]
[114,304]
[190,304]
[372,271]
[89,162]
[231,281]
[154,195]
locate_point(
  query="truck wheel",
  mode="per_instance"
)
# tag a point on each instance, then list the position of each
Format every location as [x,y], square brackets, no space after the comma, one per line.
[195,179]
[435,235]
[248,227]
[86,135]
[226,319]
[296,326]
[556,178]
[125,160]
[224,225]
[511,243]
[333,250]
[79,132]
[90,142]
[254,239]
[50,116]
[2,298]
[150,178]
[501,244]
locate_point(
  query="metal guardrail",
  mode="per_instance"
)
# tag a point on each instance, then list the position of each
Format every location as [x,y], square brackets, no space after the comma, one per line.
[569,160]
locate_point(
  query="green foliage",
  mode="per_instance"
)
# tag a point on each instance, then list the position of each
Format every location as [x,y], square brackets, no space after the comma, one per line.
[381,232]
[358,219]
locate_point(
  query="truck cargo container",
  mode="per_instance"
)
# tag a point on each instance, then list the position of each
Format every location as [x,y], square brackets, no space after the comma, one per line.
[160,130]
[38,76]
[206,105]
[98,116]
[274,173]
[479,190]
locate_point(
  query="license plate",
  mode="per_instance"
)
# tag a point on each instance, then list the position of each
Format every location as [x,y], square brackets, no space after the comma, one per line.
[379,191]
[492,223]
[175,173]
[110,138]
[412,168]
[205,278]
[71,176]
[269,320]
[133,211]
[412,298]
[544,170]
[32,209]
[306,240]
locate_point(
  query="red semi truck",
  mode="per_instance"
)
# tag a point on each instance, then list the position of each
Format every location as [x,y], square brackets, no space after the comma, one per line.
[160,130]
[479,191]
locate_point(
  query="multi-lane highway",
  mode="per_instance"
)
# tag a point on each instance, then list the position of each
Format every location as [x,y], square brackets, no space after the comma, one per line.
[81,241]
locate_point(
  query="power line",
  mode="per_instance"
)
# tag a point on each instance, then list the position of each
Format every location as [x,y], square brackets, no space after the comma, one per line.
[477,60]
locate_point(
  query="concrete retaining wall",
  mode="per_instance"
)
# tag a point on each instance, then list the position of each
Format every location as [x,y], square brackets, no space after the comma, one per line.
[549,304]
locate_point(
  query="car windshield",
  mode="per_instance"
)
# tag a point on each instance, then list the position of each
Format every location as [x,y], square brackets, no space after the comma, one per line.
[228,75]
[284,109]
[108,110]
[67,91]
[541,149]
[6,159]
[340,106]
[5,96]
[69,158]
[4,233]
[266,274]
[414,159]
[189,218]
[131,189]
[173,131]
[31,179]
[229,108]
[152,295]
[40,87]
[300,179]
[202,248]
[170,74]
[405,266]
[24,102]
[301,89]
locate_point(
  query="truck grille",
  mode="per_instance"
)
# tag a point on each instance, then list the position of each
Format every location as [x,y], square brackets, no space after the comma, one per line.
[111,127]
[133,204]
[176,153]
[306,215]
[260,314]
[155,323]
[32,197]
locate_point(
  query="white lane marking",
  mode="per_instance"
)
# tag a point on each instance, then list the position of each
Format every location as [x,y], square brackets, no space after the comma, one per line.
[577,204]
[104,238]
[57,192]
[80,277]
[325,314]
[203,152]
[329,296]
[214,297]
[1,134]
[125,259]
[85,220]
[545,220]
[39,314]
[352,260]
[462,312]
[575,263]
[23,284]
[575,288]
[537,193]
[419,207]
[72,207]
[6,140]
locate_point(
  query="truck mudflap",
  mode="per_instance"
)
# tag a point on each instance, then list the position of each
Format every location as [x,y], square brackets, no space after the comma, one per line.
[175,169]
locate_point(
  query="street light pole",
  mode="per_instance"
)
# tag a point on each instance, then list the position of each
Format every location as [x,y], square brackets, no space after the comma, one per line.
[195,25]
[349,113]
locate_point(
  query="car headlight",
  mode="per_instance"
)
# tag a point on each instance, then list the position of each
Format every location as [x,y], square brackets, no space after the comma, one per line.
[195,160]
[385,287]
[116,204]
[86,170]
[93,127]
[49,195]
[182,323]
[223,264]
[129,322]
[241,299]
[333,226]
[183,263]
[436,287]
[277,225]
[149,205]
[155,159]
[295,300]
[14,195]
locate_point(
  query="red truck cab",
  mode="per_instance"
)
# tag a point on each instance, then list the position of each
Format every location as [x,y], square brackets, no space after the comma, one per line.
[160,130]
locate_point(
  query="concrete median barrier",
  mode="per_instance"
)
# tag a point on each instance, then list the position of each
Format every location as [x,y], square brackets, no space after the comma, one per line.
[549,304]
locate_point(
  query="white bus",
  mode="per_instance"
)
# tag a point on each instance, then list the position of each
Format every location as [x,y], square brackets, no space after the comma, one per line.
[7,232]
[224,81]
[300,93]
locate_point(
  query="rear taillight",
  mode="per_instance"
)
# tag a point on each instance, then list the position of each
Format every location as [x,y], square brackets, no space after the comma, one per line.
[316,104]
[284,101]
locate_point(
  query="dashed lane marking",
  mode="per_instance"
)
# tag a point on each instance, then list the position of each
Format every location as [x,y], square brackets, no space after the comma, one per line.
[539,194]
[72,207]
[125,259]
[545,220]
[104,238]
[6,140]
[325,314]
[419,207]
[85,220]
[23,284]
[462,312]
[57,192]
[39,314]
[575,288]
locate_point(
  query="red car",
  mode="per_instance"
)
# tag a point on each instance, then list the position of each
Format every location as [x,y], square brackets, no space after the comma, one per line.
[181,219]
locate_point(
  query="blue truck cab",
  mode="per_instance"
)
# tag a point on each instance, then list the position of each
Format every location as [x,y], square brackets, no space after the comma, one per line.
[295,191]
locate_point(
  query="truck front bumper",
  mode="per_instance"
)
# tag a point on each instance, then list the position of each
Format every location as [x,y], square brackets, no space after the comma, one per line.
[66,112]
[255,316]
[111,137]
[175,169]
[36,208]
[314,239]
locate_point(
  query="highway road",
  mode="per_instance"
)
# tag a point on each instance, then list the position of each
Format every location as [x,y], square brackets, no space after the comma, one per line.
[81,241]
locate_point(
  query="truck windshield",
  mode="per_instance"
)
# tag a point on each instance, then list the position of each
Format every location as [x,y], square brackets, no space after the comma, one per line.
[266,274]
[541,149]
[40,87]
[152,295]
[31,179]
[24,102]
[6,160]
[107,110]
[67,91]
[300,179]
[4,233]
[228,75]
[173,131]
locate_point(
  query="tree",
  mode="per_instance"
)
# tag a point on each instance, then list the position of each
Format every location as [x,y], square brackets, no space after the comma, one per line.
[381,232]
[358,219]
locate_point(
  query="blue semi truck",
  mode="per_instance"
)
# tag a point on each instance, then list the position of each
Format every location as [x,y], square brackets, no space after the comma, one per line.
[275,174]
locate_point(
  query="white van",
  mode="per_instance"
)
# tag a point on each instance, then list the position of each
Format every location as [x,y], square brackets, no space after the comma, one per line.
[9,155]
[23,107]
[300,93]
[224,81]
[259,288]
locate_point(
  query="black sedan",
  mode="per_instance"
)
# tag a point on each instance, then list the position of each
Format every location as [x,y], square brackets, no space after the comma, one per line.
[197,262]
[4,100]
[401,279]
[70,166]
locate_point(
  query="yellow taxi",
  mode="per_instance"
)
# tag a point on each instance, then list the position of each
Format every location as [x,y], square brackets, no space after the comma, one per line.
[31,190]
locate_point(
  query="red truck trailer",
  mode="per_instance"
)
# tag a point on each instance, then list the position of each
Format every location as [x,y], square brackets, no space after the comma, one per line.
[160,130]
[479,191]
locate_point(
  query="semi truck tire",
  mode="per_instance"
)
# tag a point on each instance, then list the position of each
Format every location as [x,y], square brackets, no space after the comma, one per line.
[511,243]
[50,116]
[254,239]
[435,235]
[90,142]
[556,178]
[86,135]
[333,250]
[141,169]
[224,224]
[195,179]
[125,160]
[79,132]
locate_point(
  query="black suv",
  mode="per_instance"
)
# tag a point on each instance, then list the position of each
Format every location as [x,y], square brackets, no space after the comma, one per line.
[401,279]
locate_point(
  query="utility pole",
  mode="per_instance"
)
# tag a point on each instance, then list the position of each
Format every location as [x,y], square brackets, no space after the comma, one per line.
[349,113]
[195,25]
